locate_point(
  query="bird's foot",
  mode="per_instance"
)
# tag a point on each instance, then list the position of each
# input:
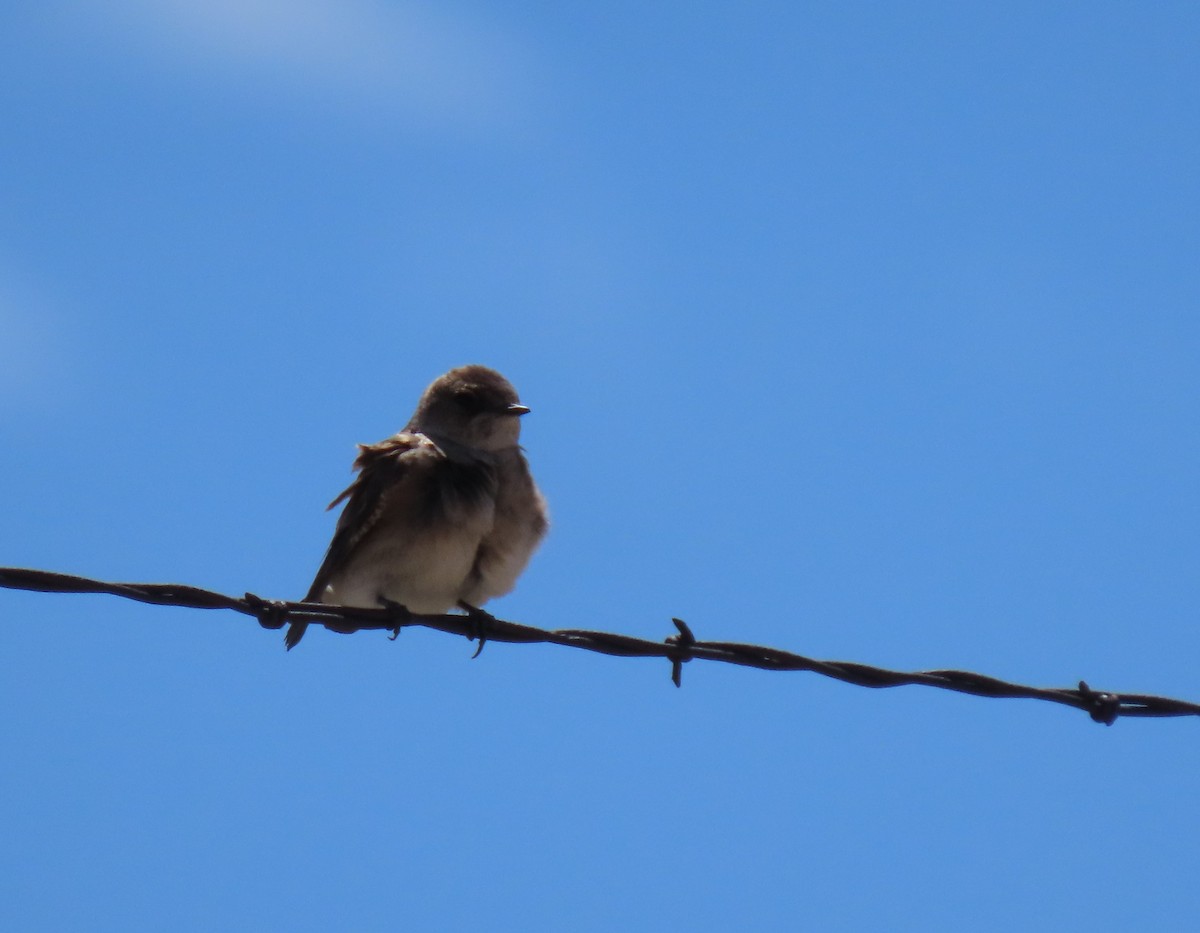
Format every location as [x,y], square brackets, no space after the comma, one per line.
[480,620]
[399,613]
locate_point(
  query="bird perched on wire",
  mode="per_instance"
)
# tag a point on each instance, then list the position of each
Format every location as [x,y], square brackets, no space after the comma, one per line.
[443,514]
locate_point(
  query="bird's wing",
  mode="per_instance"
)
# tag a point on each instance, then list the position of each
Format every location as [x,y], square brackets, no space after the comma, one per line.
[383,469]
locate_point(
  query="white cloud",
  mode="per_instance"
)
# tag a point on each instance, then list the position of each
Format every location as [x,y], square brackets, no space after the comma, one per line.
[388,57]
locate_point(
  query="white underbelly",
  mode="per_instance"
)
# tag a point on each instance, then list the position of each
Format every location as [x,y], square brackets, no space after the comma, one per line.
[425,574]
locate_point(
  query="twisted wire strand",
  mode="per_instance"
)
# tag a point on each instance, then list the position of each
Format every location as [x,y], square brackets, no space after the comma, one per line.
[1102,706]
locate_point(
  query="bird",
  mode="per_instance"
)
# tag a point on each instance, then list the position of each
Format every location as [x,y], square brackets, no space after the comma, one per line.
[443,514]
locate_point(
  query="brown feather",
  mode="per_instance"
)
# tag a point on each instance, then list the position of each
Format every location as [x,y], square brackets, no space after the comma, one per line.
[381,468]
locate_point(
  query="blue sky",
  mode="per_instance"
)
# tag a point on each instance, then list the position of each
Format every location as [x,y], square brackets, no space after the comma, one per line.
[868,331]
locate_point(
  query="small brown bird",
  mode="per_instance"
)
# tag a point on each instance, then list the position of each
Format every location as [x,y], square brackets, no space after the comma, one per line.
[443,514]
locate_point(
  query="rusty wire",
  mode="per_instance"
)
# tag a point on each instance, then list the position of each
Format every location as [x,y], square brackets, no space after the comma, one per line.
[1103,706]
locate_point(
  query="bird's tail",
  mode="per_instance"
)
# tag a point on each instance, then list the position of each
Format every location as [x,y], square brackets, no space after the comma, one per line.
[297,629]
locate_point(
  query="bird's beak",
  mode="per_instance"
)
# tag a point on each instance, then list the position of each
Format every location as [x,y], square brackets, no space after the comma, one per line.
[515,409]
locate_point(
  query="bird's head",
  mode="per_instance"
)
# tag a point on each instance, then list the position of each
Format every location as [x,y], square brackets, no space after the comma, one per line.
[473,406]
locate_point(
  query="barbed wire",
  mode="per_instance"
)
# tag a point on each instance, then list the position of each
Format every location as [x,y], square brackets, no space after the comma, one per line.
[1103,706]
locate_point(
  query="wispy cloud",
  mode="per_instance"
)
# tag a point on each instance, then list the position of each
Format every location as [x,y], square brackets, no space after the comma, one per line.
[34,362]
[408,58]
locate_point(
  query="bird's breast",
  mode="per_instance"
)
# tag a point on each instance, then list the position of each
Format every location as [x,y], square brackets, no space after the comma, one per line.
[423,545]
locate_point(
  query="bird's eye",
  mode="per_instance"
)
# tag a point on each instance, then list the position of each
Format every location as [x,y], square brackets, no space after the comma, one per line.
[469,401]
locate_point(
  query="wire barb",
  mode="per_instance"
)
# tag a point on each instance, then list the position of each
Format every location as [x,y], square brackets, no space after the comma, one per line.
[1101,705]
[682,644]
[271,614]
